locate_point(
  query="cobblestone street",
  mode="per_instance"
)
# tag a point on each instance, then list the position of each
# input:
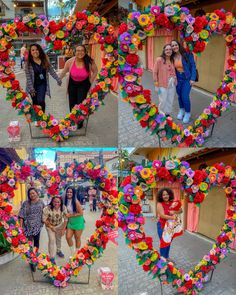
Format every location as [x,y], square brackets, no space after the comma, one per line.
[102,125]
[16,276]
[132,134]
[186,251]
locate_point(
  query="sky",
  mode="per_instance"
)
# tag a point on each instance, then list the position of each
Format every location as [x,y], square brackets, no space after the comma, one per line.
[46,156]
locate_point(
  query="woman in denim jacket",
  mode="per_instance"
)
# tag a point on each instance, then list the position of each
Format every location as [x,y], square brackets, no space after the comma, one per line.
[186,76]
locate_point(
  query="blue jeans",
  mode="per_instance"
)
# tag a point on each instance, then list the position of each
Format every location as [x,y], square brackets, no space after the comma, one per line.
[163,251]
[183,89]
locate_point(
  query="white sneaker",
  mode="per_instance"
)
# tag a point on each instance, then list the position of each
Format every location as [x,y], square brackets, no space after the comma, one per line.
[186,117]
[180,114]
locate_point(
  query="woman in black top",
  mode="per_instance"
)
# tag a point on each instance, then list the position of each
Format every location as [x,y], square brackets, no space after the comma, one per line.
[37,79]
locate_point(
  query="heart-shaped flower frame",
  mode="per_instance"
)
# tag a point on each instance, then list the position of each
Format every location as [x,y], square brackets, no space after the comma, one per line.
[57,34]
[196,184]
[196,32]
[53,181]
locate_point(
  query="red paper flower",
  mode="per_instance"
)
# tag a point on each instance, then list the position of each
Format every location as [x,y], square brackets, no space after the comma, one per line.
[198,198]
[132,59]
[136,209]
[122,28]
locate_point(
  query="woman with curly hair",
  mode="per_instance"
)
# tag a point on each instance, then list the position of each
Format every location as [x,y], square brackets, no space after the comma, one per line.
[82,72]
[169,224]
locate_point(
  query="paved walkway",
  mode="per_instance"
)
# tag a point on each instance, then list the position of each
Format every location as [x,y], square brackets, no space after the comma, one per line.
[186,251]
[16,279]
[102,126]
[132,134]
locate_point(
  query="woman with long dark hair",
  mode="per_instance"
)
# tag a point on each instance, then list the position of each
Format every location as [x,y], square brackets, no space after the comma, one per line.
[55,219]
[30,217]
[75,225]
[37,70]
[186,76]
[168,225]
[82,72]
[165,79]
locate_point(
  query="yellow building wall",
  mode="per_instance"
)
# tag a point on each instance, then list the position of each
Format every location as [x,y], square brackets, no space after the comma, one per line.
[20,192]
[98,54]
[143,3]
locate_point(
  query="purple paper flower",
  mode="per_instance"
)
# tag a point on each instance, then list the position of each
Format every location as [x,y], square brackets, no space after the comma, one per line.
[186,132]
[187,277]
[159,118]
[120,216]
[130,218]
[224,251]
[225,103]
[185,164]
[138,168]
[125,38]
[199,285]
[65,132]
[54,122]
[200,140]
[56,283]
[134,15]
[185,10]
[190,19]
[129,189]
[190,172]
[161,263]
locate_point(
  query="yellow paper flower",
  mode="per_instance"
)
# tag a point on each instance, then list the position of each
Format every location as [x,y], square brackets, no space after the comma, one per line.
[229,18]
[96,20]
[143,20]
[140,99]
[44,117]
[91,19]
[123,209]
[229,38]
[204,34]
[135,39]
[138,191]
[203,186]
[109,48]
[228,190]
[10,174]
[145,173]
[142,246]
[60,34]
[152,111]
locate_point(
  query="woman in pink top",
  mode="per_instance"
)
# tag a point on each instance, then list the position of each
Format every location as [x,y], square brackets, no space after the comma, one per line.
[165,79]
[82,72]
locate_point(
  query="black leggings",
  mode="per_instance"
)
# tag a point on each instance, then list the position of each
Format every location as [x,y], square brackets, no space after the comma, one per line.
[77,91]
[39,98]
[35,240]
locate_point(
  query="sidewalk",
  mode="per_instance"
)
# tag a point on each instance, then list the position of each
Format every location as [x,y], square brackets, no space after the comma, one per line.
[186,251]
[102,125]
[132,134]
[16,276]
